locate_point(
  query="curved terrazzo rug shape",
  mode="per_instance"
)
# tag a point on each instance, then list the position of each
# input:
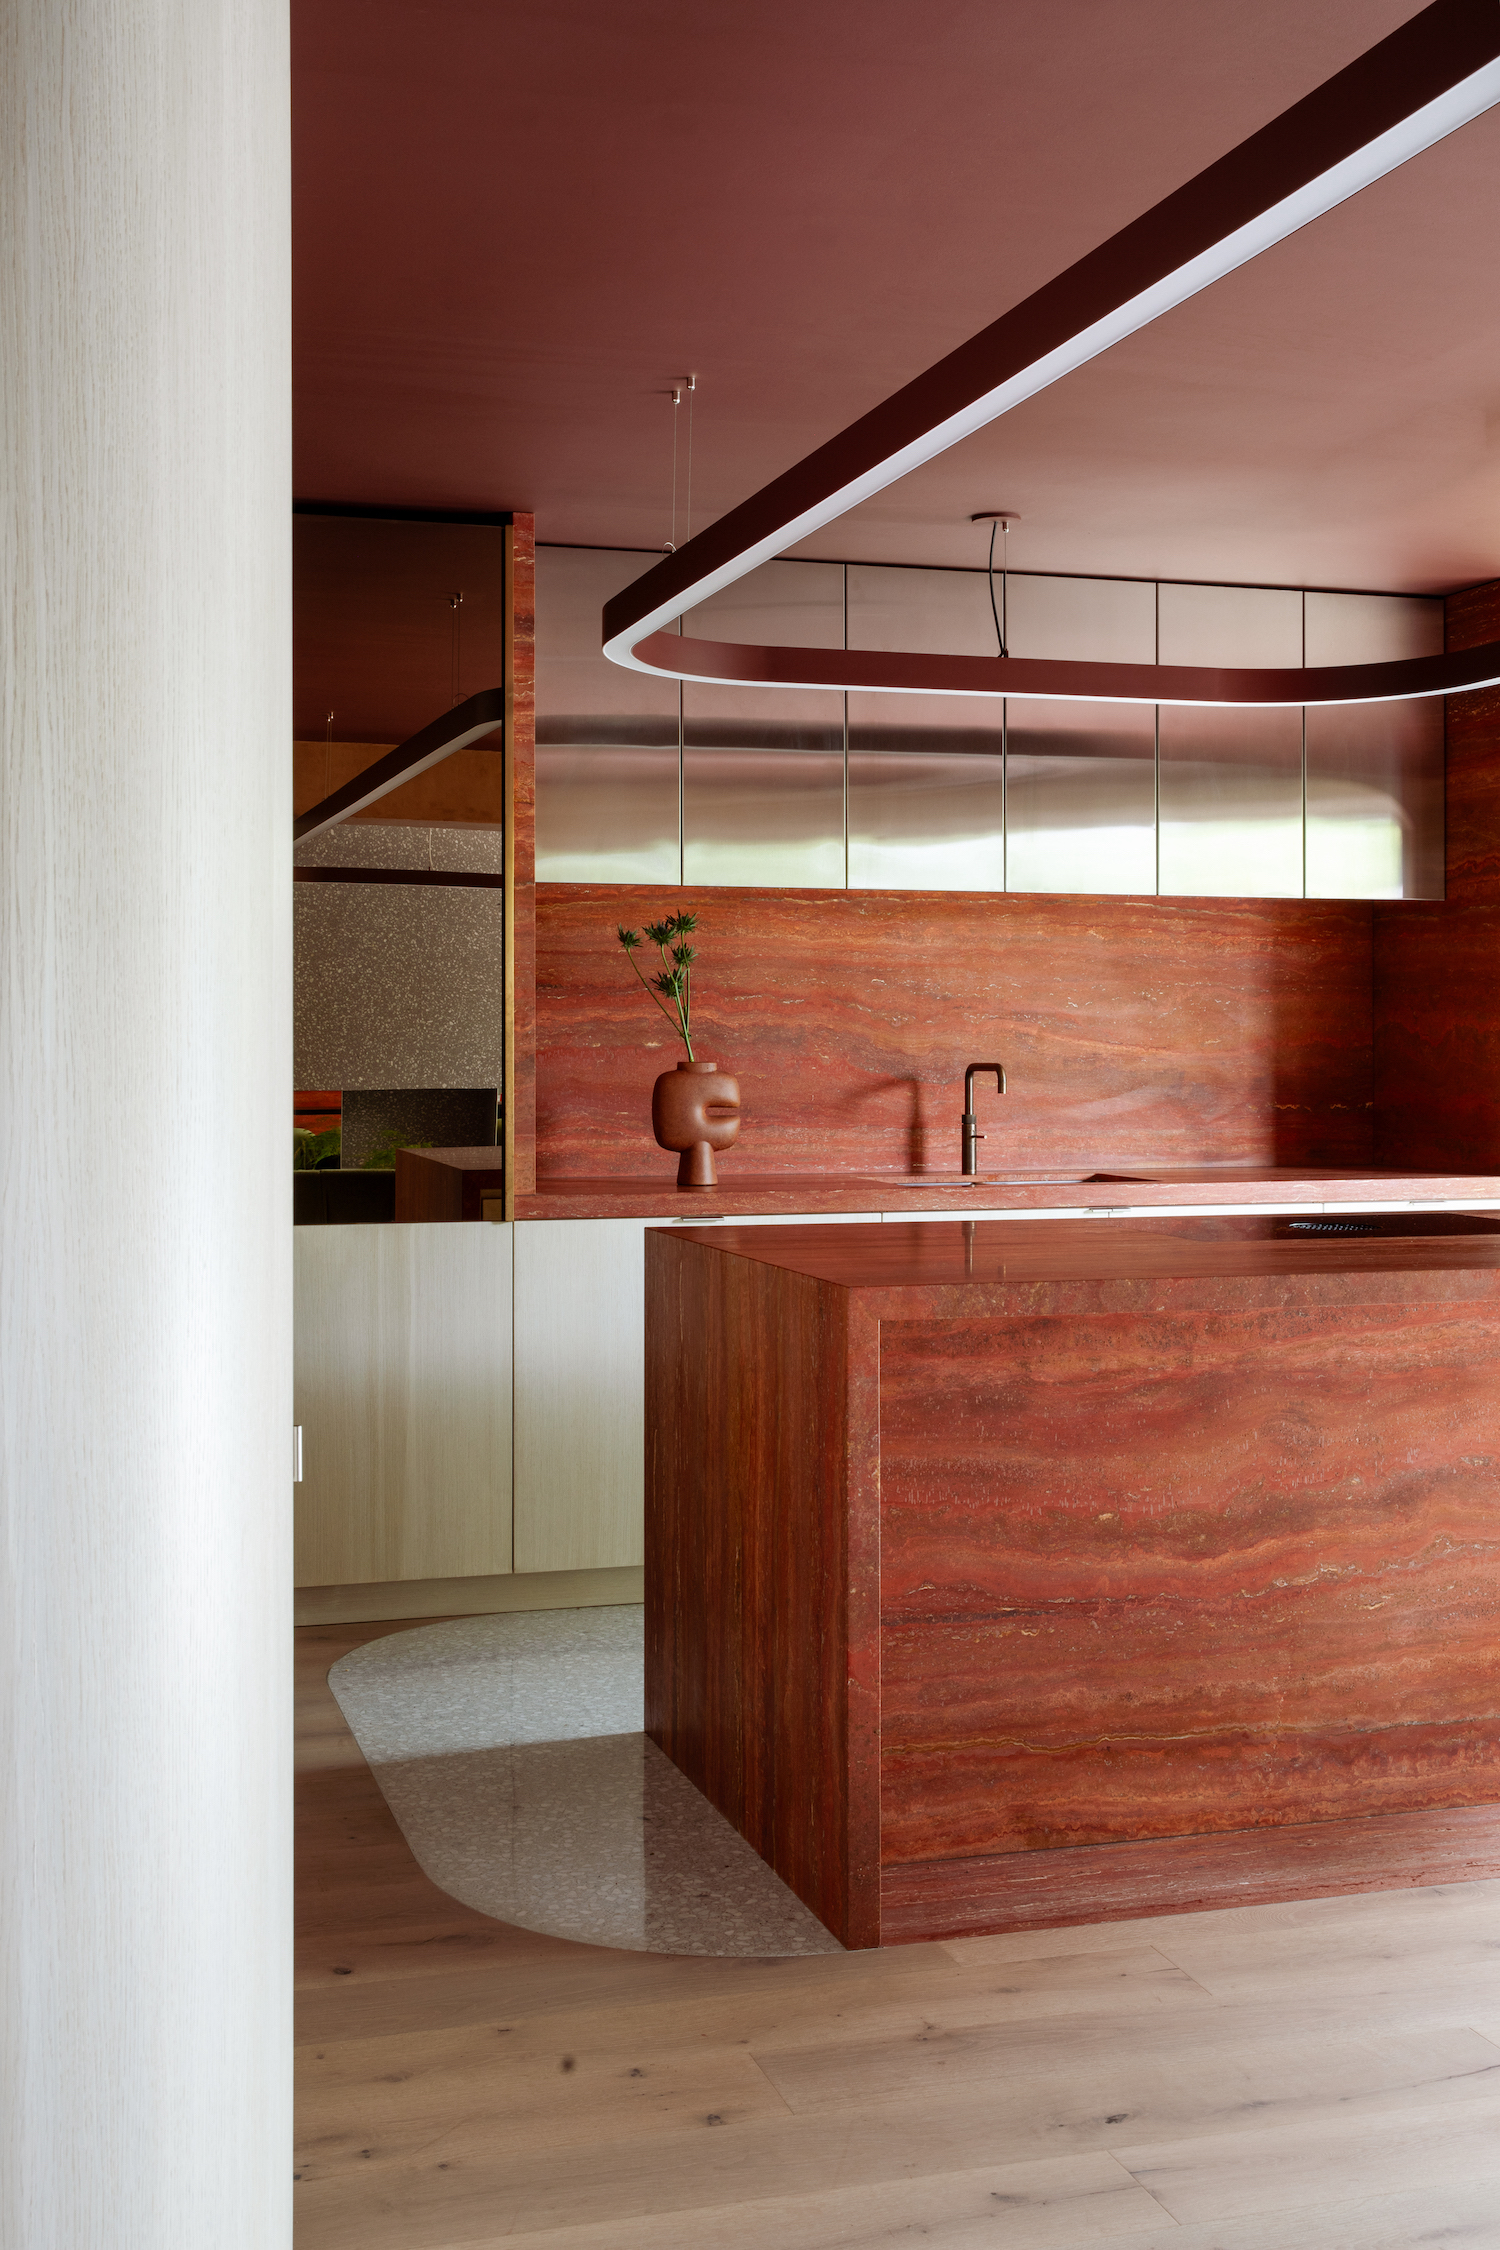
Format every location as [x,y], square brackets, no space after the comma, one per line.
[511,1753]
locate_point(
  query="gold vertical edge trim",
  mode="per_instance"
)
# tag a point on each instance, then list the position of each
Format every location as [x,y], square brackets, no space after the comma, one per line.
[508,895]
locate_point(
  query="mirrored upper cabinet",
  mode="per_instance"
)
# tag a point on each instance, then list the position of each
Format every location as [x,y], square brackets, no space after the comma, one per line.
[393,623]
[399,922]
[809,788]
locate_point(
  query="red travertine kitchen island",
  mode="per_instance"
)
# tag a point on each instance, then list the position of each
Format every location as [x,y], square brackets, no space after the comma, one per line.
[1047,1571]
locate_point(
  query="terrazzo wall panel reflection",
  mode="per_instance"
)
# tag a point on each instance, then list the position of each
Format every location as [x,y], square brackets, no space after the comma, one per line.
[397,984]
[1133,1030]
[1437,968]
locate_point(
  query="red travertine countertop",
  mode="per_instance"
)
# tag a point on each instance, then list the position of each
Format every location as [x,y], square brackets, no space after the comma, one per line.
[926,1257]
[754,1195]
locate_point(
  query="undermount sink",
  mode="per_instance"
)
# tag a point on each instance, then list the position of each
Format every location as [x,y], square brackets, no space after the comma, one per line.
[1006,1179]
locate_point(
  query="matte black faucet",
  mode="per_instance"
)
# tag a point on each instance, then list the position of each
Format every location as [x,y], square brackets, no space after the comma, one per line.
[972,1138]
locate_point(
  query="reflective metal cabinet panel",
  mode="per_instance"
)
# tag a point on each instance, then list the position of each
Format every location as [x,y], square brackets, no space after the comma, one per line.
[1230,796]
[1374,770]
[607,739]
[606,814]
[926,791]
[935,612]
[1087,797]
[764,817]
[783,604]
[580,696]
[1230,782]
[763,769]
[1228,625]
[1080,797]
[1085,620]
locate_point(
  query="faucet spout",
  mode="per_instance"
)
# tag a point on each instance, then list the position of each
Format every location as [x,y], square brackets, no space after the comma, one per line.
[971,1134]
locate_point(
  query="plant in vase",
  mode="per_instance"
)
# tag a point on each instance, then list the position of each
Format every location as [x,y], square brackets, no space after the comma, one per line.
[695,1108]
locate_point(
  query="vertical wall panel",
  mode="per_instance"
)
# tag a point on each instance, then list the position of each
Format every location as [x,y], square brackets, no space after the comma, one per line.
[398,984]
[926,772]
[145,1326]
[606,771]
[1230,780]
[763,769]
[924,820]
[937,612]
[1080,796]
[1374,770]
[1085,620]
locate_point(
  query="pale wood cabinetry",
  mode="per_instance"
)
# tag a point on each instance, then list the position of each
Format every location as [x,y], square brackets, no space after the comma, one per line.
[403,1391]
[580,1382]
[580,1415]
[471,1399]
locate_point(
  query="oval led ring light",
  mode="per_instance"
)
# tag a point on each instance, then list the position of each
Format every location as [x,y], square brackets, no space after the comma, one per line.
[1436,73]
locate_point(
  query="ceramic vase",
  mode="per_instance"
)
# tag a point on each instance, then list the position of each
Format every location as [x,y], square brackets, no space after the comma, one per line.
[695,1109]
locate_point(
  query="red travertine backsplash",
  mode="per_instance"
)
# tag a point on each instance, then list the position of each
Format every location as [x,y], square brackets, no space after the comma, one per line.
[1437,968]
[1134,1030]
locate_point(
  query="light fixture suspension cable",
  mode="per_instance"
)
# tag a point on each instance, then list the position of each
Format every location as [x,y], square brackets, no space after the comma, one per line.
[995,526]
[692,385]
[671,545]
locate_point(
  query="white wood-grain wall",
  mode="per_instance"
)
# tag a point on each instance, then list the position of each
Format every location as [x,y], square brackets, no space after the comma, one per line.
[145,1378]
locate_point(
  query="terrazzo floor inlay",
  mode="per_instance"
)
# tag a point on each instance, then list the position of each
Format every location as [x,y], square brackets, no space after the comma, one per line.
[510,1750]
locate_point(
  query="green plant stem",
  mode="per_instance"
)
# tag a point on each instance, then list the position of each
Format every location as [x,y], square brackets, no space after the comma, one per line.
[674,1021]
[680,997]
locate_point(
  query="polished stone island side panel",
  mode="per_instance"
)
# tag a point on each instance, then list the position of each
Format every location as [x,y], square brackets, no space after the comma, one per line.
[1186,1535]
[762,1564]
[1189,1566]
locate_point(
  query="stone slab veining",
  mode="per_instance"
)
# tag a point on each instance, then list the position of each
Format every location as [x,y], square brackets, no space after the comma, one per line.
[1060,1537]
[1120,1187]
[1102,1187]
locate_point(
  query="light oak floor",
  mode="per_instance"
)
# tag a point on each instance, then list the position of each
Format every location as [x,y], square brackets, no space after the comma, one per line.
[1323,2075]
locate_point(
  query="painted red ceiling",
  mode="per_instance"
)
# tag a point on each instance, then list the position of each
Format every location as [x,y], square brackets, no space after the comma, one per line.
[517,220]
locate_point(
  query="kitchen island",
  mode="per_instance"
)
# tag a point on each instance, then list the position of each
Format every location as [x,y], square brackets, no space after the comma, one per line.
[1047,1571]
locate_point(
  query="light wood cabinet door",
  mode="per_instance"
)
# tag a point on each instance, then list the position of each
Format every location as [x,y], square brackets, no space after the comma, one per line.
[580,1387]
[403,1390]
[579,1397]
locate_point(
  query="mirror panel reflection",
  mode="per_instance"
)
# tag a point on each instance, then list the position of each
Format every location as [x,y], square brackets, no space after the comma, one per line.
[393,623]
[398,916]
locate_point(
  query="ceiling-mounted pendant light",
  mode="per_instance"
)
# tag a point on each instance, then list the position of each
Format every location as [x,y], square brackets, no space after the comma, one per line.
[1431,76]
[998,519]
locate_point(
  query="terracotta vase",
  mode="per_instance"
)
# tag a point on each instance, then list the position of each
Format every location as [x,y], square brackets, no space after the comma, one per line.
[695,1109]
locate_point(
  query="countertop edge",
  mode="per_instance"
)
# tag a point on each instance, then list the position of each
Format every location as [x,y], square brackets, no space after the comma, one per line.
[813,1197]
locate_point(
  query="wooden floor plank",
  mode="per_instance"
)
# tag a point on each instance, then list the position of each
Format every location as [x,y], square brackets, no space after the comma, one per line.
[1216,2085]
[1323,2161]
[1459,2217]
[1314,2074]
[1044,2206]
